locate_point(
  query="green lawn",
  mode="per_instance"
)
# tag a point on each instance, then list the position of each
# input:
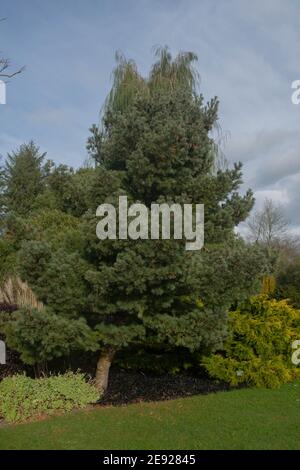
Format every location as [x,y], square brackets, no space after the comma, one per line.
[241,419]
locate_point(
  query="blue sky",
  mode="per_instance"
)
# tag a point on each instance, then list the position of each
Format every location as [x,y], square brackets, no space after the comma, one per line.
[248,56]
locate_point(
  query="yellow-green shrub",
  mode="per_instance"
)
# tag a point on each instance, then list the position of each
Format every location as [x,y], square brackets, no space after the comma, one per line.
[268,286]
[258,350]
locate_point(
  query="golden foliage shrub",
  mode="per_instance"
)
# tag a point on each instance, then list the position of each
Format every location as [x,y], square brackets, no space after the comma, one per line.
[258,350]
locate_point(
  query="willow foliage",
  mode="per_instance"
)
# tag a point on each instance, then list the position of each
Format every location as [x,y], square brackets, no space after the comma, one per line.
[166,73]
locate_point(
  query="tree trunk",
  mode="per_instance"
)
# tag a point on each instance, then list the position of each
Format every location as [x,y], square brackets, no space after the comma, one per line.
[103,367]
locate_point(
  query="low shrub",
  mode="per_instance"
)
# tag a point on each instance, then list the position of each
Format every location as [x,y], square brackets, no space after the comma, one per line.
[258,350]
[22,398]
[40,335]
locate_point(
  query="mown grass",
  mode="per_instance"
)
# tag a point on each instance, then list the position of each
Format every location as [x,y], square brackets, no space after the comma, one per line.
[240,419]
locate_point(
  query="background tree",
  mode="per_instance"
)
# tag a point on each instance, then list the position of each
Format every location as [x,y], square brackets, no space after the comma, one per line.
[5,66]
[288,282]
[270,229]
[21,180]
[269,225]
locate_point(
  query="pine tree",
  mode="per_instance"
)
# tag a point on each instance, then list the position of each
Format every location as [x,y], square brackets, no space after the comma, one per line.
[156,141]
[21,180]
[154,145]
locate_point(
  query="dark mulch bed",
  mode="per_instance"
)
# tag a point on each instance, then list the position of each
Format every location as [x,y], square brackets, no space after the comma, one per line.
[129,387]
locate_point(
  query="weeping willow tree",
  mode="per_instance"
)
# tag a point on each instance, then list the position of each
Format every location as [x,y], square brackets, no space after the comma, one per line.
[127,83]
[167,73]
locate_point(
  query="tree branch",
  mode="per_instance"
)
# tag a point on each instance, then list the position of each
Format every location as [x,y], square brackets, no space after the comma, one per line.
[5,64]
[7,75]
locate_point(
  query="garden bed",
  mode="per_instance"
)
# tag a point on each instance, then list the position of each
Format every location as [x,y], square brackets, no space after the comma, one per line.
[130,387]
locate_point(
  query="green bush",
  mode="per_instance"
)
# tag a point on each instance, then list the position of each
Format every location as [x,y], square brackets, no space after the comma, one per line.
[258,350]
[22,398]
[288,284]
[40,335]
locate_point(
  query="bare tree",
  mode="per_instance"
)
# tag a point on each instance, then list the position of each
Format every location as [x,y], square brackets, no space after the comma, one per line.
[5,65]
[269,226]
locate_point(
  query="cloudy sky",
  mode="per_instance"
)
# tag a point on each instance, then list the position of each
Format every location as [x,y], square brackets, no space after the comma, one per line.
[248,56]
